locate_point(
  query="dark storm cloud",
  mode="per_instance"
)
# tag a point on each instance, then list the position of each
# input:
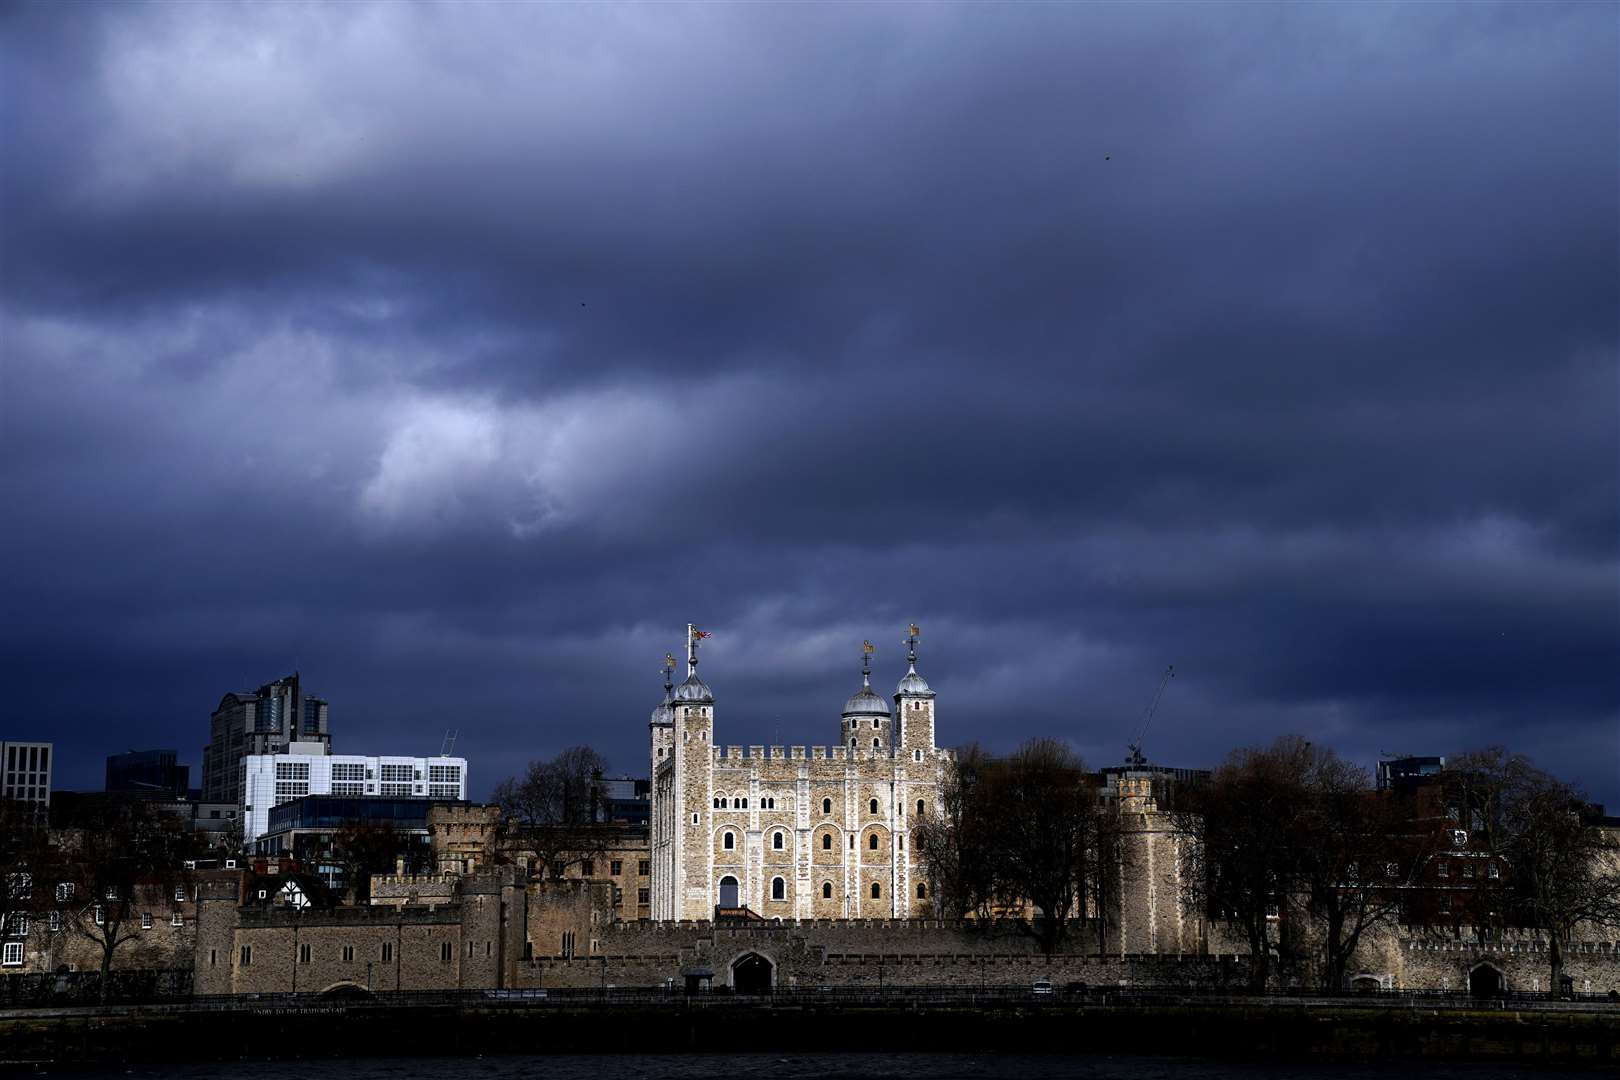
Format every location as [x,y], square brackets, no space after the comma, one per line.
[458,356]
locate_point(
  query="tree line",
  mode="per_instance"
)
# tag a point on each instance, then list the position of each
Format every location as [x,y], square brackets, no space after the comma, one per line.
[1289,845]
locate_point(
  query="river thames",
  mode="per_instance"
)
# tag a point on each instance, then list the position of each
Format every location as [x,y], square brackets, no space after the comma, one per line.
[830,1067]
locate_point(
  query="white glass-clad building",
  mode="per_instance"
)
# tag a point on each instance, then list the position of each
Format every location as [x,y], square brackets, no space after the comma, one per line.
[272,779]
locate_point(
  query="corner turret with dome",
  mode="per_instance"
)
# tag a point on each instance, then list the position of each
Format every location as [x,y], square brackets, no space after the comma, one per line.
[914,706]
[694,691]
[912,684]
[865,719]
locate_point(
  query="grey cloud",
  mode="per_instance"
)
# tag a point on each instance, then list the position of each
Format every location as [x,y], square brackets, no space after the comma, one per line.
[459,355]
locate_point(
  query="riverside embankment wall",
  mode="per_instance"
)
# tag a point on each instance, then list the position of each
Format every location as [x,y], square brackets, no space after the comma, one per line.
[1275,1031]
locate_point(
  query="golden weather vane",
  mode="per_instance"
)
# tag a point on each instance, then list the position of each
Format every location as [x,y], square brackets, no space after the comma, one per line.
[868,648]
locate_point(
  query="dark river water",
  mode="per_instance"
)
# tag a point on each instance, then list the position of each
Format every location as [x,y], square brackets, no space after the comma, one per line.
[832,1066]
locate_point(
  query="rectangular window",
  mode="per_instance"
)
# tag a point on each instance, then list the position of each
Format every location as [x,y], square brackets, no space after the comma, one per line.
[489,948]
[292,770]
[388,952]
[444,774]
[146,920]
[398,774]
[557,868]
[644,867]
[13,956]
[348,954]
[180,893]
[615,867]
[348,771]
[643,896]
[618,895]
[446,953]
[55,922]
[17,925]
[587,868]
[101,916]
[64,892]
[247,955]
[177,920]
[303,954]
[112,892]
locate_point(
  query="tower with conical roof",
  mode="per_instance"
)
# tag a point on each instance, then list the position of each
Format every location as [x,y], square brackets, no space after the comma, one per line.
[865,722]
[914,706]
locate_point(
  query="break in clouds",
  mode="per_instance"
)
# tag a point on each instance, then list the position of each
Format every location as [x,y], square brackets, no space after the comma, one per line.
[457,356]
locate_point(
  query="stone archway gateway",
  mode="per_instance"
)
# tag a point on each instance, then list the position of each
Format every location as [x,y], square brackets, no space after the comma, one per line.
[1486,981]
[752,973]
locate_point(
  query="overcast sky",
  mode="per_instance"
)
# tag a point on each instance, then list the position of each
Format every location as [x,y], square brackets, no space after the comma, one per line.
[457,357]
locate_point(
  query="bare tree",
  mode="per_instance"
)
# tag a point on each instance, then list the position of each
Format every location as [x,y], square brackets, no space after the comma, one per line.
[363,848]
[1013,834]
[554,809]
[126,851]
[1047,836]
[27,860]
[1558,871]
[1241,850]
[1357,853]
[953,840]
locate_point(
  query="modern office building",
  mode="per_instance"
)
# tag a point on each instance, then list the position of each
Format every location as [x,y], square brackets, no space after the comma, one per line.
[153,773]
[307,829]
[623,800]
[277,718]
[273,779]
[25,772]
[1406,774]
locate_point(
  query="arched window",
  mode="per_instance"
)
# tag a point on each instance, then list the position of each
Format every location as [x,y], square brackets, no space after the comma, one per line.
[852,744]
[826,841]
[876,743]
[871,841]
[877,891]
[719,803]
[776,841]
[728,841]
[921,806]
[922,891]
[874,725]
[778,888]
[745,804]
[826,806]
[826,890]
[872,806]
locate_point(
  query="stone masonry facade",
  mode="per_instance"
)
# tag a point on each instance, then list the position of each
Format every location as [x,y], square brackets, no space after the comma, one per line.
[793,832]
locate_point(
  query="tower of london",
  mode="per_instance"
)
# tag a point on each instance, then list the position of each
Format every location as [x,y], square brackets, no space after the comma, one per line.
[793,832]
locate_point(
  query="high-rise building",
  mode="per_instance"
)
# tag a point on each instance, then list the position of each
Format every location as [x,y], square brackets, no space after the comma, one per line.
[154,773]
[273,779]
[278,718]
[25,772]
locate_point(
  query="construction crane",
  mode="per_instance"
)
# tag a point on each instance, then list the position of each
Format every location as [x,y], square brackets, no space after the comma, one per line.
[449,742]
[1135,745]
